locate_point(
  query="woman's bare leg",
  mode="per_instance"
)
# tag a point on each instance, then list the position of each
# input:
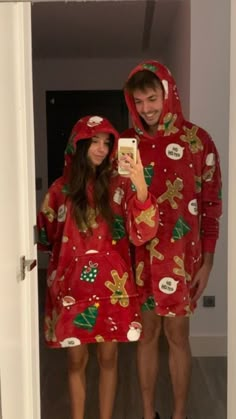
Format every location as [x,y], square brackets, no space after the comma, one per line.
[107,358]
[77,362]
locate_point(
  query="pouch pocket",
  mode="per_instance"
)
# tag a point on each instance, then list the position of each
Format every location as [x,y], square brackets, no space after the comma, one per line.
[98,276]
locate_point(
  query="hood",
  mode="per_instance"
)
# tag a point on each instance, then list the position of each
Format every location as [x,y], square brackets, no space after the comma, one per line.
[85,128]
[171,118]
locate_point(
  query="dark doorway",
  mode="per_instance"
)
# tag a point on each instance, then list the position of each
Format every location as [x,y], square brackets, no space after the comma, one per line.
[64,108]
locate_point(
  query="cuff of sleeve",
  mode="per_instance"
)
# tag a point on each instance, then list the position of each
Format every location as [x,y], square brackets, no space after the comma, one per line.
[143,205]
[208,245]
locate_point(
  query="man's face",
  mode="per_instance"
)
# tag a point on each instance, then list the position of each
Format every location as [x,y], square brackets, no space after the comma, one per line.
[149,105]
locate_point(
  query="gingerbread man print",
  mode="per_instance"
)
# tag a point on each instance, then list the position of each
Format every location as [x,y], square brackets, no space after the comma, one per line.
[172,192]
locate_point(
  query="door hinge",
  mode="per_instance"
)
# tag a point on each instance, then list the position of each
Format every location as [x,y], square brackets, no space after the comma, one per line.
[28,264]
[35,233]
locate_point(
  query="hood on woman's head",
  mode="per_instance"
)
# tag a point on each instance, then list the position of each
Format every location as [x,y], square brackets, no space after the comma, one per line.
[86,128]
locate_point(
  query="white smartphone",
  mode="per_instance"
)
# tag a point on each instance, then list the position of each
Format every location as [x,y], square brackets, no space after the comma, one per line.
[126,146]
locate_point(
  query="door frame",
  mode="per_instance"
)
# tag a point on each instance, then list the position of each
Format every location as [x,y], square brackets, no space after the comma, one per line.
[19,349]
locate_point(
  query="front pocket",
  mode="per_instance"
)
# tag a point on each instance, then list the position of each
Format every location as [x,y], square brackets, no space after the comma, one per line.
[98,276]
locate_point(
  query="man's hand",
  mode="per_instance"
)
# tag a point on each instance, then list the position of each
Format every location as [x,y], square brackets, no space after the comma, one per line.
[201,278]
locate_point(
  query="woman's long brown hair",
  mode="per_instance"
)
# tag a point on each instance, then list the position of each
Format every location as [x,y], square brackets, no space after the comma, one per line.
[82,173]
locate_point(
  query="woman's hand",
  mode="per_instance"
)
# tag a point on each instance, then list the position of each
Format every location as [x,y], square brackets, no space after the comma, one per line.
[136,175]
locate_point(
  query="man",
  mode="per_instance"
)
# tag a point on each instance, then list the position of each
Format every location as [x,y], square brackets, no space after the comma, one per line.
[182,169]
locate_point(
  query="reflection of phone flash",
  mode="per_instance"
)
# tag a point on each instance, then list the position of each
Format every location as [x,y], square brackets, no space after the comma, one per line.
[126,146]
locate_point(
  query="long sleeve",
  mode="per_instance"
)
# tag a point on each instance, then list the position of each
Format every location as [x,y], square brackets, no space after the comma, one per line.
[211,202]
[47,218]
[142,217]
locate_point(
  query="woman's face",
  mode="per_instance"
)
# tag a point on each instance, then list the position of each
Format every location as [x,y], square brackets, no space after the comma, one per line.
[99,148]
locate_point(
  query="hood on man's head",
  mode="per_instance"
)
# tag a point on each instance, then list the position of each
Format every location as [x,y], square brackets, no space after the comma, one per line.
[172,112]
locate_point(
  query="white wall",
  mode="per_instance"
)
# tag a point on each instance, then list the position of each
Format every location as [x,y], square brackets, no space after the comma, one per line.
[209,107]
[176,53]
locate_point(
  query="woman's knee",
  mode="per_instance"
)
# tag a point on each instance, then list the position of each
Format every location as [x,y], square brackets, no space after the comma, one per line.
[107,355]
[77,358]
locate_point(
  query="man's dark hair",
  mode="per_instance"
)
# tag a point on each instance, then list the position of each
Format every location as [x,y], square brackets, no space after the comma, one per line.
[142,80]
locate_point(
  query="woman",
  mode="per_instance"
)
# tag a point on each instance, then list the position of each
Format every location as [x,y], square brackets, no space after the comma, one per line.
[87,220]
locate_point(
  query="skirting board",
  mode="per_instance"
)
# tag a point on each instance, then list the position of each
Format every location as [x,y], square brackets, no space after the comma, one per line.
[208,345]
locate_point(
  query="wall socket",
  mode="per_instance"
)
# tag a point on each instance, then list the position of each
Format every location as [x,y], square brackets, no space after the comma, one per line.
[209,301]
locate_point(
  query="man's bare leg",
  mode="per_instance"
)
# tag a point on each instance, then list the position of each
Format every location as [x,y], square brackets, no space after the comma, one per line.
[107,358]
[177,333]
[147,358]
[77,361]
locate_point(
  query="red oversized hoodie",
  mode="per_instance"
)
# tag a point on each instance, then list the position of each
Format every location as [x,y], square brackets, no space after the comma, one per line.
[182,170]
[91,291]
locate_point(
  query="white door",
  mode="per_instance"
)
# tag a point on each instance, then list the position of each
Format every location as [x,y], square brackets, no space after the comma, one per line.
[19,346]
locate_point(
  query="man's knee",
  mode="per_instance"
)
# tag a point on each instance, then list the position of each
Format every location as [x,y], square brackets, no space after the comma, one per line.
[152,325]
[176,330]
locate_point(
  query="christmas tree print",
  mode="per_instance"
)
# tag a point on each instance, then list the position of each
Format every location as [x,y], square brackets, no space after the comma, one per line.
[138,130]
[89,272]
[43,239]
[149,304]
[70,148]
[167,121]
[118,228]
[150,67]
[87,319]
[180,229]
[148,175]
[65,189]
[198,184]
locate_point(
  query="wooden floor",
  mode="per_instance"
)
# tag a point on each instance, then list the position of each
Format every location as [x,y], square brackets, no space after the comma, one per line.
[208,391]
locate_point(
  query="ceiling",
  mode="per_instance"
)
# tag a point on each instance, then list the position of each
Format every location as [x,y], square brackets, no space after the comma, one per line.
[101,29]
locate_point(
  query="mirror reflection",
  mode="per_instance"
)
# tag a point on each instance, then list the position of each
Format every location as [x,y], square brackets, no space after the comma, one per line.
[81,60]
